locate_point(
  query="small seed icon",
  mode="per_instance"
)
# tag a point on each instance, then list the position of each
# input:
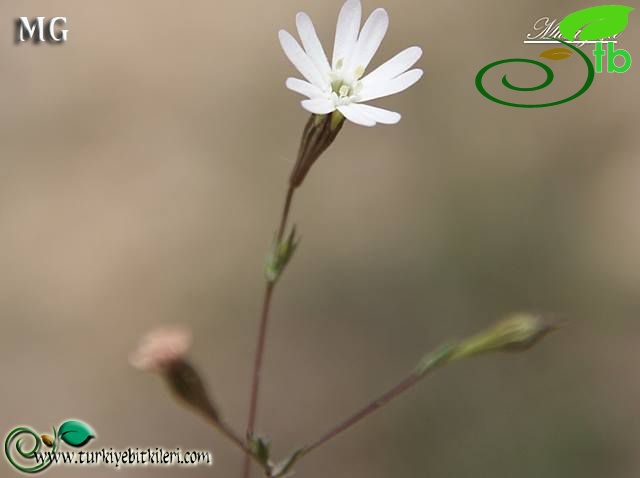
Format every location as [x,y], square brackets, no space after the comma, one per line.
[47,440]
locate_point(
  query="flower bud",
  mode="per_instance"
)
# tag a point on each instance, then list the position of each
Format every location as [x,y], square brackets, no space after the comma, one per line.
[514,334]
[161,347]
[317,136]
[187,386]
[164,350]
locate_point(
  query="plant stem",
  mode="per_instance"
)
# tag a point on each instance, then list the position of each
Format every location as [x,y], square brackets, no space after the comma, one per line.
[285,212]
[382,400]
[233,437]
[262,334]
[228,433]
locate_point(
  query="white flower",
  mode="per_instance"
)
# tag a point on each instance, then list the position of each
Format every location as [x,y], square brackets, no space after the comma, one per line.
[341,85]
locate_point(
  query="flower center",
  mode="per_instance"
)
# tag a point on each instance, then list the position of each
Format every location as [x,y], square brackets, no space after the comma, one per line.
[344,86]
[341,88]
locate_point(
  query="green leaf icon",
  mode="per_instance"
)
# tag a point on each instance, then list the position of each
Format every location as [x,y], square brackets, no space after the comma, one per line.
[75,433]
[595,23]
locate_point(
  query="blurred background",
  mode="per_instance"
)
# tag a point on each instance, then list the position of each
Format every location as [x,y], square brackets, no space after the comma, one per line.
[143,168]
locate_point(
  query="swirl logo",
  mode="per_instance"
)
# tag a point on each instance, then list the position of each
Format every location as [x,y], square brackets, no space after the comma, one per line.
[592,25]
[34,460]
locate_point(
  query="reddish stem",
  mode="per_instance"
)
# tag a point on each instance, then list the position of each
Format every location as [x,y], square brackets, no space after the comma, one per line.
[385,398]
[262,335]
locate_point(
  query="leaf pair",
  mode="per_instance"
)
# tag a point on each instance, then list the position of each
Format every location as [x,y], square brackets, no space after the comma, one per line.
[280,255]
[261,449]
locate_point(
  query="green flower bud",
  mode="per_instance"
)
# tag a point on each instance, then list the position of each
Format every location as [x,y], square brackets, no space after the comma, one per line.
[513,334]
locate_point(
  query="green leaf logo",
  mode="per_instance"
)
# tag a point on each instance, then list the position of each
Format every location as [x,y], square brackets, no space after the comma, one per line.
[75,433]
[595,23]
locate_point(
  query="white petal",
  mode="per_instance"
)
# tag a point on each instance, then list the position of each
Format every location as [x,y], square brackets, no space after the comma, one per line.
[395,66]
[380,115]
[299,58]
[391,87]
[304,88]
[347,30]
[319,106]
[370,38]
[311,43]
[356,114]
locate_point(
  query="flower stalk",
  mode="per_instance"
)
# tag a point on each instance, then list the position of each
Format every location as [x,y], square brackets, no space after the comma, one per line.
[336,91]
[517,333]
[276,263]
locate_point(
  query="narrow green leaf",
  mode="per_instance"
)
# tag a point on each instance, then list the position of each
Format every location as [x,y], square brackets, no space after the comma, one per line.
[261,448]
[282,468]
[280,255]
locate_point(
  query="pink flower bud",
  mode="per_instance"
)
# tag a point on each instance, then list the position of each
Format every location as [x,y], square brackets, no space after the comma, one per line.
[161,348]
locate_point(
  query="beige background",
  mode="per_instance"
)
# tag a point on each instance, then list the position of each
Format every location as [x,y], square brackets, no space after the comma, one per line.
[143,166]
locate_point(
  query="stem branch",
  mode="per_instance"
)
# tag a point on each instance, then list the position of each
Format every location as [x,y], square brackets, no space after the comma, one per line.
[231,435]
[367,410]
